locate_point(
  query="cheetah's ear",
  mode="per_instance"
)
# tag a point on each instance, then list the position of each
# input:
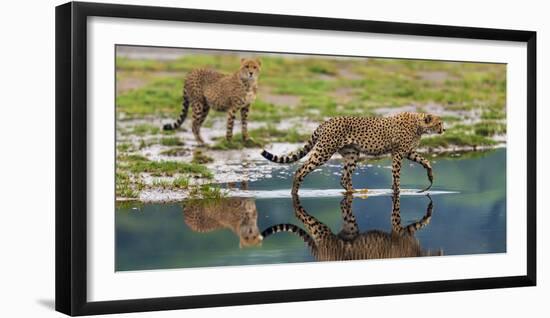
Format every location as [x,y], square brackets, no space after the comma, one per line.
[243,60]
[428,118]
[259,62]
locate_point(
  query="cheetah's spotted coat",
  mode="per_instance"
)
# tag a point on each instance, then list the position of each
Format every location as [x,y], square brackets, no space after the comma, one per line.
[205,89]
[398,135]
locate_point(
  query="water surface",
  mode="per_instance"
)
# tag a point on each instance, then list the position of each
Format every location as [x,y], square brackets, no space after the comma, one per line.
[469,215]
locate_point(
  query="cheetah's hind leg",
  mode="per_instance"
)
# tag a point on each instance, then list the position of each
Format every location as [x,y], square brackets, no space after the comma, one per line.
[200,111]
[316,159]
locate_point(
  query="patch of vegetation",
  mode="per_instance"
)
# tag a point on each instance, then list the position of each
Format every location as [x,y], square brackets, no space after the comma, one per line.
[224,144]
[321,67]
[169,168]
[267,112]
[176,183]
[126,205]
[272,134]
[260,137]
[450,119]
[125,147]
[183,64]
[171,141]
[161,97]
[210,192]
[145,129]
[493,113]
[465,154]
[201,158]
[123,186]
[161,183]
[131,158]
[489,128]
[180,183]
[457,139]
[175,152]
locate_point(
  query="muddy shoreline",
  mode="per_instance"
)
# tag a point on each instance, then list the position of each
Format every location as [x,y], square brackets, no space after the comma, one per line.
[229,168]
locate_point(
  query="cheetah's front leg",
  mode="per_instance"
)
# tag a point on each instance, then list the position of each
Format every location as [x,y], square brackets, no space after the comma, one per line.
[396,172]
[230,122]
[414,226]
[244,121]
[350,163]
[413,156]
[350,230]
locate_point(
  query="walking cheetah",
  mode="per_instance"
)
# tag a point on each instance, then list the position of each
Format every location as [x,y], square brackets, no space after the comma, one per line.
[205,89]
[398,135]
[349,243]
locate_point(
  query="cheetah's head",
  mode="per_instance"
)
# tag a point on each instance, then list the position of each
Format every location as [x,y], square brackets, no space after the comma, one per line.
[431,124]
[249,234]
[250,69]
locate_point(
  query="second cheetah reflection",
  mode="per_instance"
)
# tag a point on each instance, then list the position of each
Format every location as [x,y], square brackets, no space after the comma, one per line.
[349,243]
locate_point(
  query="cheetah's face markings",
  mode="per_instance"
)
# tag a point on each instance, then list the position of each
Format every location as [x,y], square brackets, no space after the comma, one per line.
[249,234]
[250,69]
[431,124]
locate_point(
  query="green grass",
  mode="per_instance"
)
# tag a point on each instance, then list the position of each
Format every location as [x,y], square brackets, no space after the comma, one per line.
[381,83]
[201,158]
[457,139]
[123,186]
[144,129]
[234,144]
[466,135]
[174,151]
[493,112]
[131,158]
[176,183]
[161,98]
[136,164]
[489,128]
[171,141]
[169,168]
[209,192]
[162,183]
[260,137]
[180,183]
[125,147]
[267,112]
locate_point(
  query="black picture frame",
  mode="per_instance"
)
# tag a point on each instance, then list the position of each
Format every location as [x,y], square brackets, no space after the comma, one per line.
[71,157]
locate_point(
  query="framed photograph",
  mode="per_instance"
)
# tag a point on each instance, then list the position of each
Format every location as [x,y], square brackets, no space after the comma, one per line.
[209,158]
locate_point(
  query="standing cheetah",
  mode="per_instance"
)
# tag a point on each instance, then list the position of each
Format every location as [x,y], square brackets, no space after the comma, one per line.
[205,89]
[398,135]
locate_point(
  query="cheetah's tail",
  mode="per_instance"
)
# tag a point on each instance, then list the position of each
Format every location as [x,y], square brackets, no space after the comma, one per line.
[296,155]
[289,228]
[181,118]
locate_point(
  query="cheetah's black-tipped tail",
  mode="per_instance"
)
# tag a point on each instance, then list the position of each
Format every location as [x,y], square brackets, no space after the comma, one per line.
[181,118]
[288,228]
[296,155]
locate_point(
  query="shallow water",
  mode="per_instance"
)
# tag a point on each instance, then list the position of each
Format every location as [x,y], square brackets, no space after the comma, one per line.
[469,215]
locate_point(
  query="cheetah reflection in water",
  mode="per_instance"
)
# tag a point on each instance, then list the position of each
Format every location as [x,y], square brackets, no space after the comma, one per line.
[349,243]
[240,215]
